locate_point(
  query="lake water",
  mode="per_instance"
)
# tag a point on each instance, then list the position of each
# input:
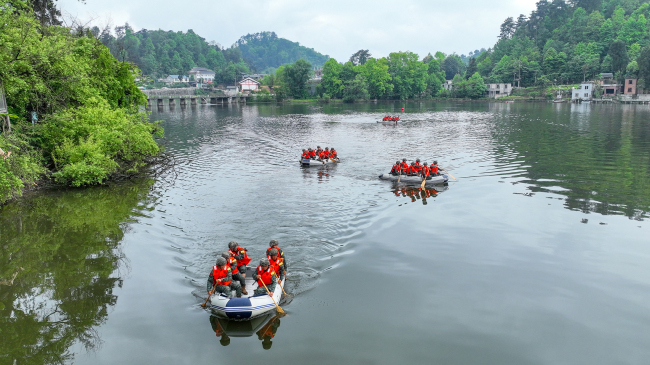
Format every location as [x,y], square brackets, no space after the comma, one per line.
[539,253]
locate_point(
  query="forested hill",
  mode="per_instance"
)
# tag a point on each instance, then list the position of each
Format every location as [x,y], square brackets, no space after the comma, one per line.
[159,53]
[265,50]
[571,41]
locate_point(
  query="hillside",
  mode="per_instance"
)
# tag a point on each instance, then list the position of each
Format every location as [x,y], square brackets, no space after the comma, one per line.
[265,50]
[568,42]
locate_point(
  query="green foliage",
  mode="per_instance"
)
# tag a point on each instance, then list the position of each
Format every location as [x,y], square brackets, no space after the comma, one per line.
[375,72]
[569,41]
[85,101]
[296,76]
[408,73]
[87,144]
[356,89]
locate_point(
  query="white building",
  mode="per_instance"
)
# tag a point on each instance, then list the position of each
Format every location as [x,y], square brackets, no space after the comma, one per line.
[202,74]
[585,92]
[447,85]
[499,90]
[248,84]
[175,78]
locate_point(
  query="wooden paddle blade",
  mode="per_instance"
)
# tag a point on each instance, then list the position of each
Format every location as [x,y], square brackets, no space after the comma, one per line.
[280,310]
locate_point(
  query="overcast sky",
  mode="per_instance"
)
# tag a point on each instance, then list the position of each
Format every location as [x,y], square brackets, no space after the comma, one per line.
[337,28]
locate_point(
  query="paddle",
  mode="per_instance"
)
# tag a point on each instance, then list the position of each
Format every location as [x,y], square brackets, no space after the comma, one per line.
[448,173]
[424,180]
[285,293]
[211,292]
[276,304]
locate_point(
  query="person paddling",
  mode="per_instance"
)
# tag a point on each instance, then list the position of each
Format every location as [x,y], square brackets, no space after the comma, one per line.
[405,167]
[396,170]
[275,245]
[276,263]
[231,262]
[333,155]
[434,169]
[239,253]
[220,279]
[264,276]
[425,173]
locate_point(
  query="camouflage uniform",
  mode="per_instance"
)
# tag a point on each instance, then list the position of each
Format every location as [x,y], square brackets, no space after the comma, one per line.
[238,276]
[225,289]
[271,287]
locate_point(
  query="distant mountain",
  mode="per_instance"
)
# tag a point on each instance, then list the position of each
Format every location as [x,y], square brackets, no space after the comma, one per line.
[265,50]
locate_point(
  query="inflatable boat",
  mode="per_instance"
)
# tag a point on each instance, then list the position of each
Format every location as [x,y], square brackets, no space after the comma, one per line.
[248,306]
[440,179]
[389,121]
[310,162]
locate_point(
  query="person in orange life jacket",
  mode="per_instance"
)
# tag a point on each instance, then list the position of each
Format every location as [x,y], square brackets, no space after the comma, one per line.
[417,163]
[239,253]
[231,262]
[312,153]
[326,153]
[274,244]
[264,274]
[218,330]
[221,279]
[434,169]
[405,167]
[318,150]
[425,172]
[333,153]
[413,170]
[266,333]
[305,154]
[276,263]
[396,169]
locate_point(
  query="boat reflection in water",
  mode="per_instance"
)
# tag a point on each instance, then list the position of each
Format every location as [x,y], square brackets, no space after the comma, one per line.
[415,193]
[322,173]
[264,327]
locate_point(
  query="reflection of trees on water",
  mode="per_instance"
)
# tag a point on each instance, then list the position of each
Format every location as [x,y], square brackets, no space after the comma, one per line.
[598,157]
[265,327]
[415,193]
[65,250]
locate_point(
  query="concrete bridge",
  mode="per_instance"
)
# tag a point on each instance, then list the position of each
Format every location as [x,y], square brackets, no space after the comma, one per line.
[193,100]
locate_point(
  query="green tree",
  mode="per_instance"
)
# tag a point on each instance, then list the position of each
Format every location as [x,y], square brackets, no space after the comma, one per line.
[360,57]
[331,82]
[472,68]
[643,62]
[296,76]
[408,73]
[376,75]
[356,89]
[620,58]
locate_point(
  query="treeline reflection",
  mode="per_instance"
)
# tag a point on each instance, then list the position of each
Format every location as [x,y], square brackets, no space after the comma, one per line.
[597,156]
[60,262]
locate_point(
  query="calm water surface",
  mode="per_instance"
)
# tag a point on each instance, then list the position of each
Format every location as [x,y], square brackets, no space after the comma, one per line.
[538,254]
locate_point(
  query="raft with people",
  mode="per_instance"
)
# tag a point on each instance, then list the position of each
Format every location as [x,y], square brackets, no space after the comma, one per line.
[230,276]
[416,173]
[389,119]
[319,157]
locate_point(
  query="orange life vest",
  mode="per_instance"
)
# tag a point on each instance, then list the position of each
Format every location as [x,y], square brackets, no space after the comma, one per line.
[230,262]
[239,250]
[218,273]
[276,264]
[425,171]
[265,276]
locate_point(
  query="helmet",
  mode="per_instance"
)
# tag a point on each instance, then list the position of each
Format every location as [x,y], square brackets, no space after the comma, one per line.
[264,262]
[404,159]
[425,164]
[226,255]
[327,148]
[397,162]
[317,146]
[303,150]
[418,160]
[435,162]
[221,261]
[273,243]
[273,252]
[225,340]
[412,163]
[233,245]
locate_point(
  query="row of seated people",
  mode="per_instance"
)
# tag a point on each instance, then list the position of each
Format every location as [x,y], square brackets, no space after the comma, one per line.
[319,153]
[415,168]
[229,272]
[388,118]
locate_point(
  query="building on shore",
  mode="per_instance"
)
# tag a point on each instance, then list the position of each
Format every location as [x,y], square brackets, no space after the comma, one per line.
[171,79]
[585,92]
[498,90]
[202,74]
[448,85]
[249,84]
[608,85]
[629,88]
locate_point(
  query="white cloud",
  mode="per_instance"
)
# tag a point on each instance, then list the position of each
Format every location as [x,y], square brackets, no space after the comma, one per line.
[337,27]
